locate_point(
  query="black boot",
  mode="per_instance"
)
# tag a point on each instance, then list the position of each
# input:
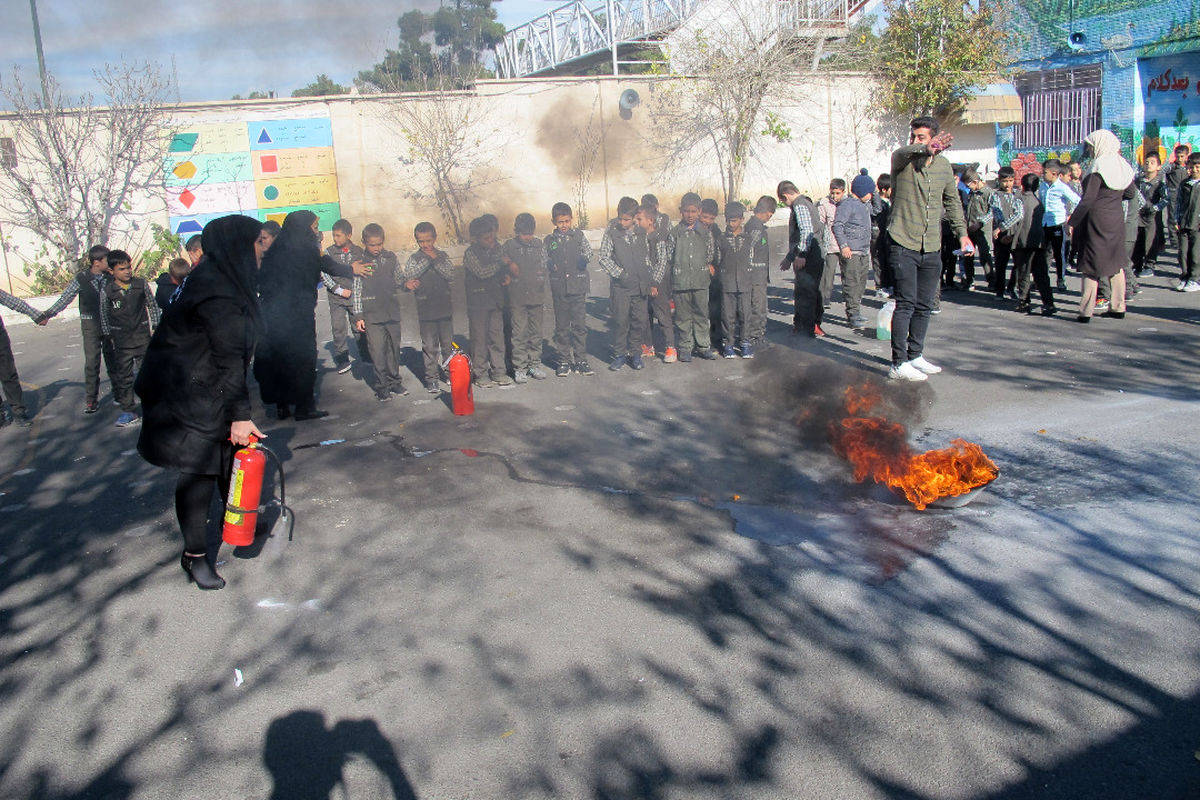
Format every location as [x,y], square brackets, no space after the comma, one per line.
[198,570]
[282,411]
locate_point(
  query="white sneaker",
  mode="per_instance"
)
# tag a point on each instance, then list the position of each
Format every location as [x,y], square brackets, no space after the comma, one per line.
[1191,286]
[906,372]
[1181,286]
[925,366]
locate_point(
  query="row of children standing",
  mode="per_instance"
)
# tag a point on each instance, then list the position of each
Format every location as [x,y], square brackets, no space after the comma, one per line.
[657,272]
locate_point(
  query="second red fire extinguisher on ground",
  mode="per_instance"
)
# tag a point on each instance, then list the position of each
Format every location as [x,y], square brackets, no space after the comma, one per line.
[459,367]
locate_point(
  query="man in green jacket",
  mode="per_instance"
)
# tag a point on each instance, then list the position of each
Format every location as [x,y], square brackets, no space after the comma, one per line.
[923,191]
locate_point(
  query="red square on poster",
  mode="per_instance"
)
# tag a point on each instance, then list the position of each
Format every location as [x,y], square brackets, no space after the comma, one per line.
[269,164]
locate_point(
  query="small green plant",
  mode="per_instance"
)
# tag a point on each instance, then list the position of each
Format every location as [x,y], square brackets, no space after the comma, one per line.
[165,246]
[776,129]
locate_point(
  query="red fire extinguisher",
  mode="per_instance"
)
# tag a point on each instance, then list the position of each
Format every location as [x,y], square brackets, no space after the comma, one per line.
[459,366]
[245,490]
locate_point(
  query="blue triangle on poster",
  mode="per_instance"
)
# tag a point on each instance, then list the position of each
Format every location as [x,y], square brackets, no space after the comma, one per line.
[264,137]
[189,226]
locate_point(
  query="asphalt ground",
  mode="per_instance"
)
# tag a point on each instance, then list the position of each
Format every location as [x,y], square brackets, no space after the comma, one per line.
[659,584]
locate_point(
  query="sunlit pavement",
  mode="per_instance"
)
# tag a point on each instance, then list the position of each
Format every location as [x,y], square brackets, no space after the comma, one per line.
[655,584]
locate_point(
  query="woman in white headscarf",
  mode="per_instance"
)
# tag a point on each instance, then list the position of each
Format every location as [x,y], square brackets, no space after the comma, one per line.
[1098,223]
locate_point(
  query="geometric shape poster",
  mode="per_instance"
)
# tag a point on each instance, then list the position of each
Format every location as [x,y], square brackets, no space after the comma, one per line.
[265,168]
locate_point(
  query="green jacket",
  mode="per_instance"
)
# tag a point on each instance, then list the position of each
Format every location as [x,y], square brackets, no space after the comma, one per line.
[693,248]
[923,191]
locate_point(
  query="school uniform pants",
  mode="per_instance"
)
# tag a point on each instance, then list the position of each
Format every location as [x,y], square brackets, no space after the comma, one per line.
[1148,246]
[384,340]
[1054,241]
[631,321]
[1000,268]
[982,256]
[437,342]
[570,324]
[715,295]
[1030,262]
[884,278]
[735,317]
[1189,256]
[527,335]
[809,307]
[660,309]
[341,315]
[486,326]
[832,263]
[95,346]
[1091,289]
[9,380]
[917,280]
[758,305]
[127,360]
[691,319]
[854,282]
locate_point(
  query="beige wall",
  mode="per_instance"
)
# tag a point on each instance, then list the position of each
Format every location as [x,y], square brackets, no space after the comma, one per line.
[530,133]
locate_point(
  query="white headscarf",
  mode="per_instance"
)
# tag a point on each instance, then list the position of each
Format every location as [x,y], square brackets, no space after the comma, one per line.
[1106,160]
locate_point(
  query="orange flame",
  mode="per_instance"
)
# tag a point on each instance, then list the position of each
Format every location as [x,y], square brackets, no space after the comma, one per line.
[878,449]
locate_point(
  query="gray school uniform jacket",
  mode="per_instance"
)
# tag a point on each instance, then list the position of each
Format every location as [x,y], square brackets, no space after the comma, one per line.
[625,256]
[852,224]
[529,287]
[345,256]
[374,298]
[567,258]
[484,276]
[436,275]
[693,252]
[736,271]
[760,250]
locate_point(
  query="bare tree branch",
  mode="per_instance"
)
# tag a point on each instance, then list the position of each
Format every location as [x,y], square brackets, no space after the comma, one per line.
[78,165]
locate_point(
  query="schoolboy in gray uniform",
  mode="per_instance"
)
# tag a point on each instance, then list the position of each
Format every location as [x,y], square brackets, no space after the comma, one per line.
[760,273]
[486,279]
[525,257]
[567,256]
[691,273]
[428,274]
[625,257]
[10,381]
[852,231]
[660,302]
[737,278]
[339,292]
[377,311]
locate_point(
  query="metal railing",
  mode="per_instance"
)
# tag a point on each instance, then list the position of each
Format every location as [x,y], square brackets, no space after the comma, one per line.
[584,30]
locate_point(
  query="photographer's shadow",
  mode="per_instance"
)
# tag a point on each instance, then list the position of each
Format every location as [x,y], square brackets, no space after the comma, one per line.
[306,760]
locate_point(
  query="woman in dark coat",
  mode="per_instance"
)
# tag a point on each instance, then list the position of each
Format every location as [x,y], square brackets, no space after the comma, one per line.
[193,381]
[1098,223]
[285,362]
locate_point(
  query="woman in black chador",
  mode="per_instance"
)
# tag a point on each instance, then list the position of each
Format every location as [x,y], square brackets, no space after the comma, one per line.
[285,362]
[193,381]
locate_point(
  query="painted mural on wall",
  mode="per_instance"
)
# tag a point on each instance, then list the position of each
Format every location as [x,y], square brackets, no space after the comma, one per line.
[1136,44]
[263,168]
[1170,103]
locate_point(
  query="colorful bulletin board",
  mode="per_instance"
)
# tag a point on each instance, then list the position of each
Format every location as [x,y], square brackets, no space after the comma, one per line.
[262,168]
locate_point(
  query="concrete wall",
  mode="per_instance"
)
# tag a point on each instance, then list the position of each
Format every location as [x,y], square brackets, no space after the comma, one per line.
[530,131]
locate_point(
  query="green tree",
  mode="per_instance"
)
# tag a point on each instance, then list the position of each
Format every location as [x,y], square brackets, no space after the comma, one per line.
[448,46]
[933,53]
[323,86]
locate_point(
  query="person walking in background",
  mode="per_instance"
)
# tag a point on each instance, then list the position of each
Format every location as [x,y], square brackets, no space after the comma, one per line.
[924,190]
[852,231]
[1098,223]
[193,383]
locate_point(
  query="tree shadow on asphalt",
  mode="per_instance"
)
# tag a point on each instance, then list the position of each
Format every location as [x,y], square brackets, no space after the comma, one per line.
[842,580]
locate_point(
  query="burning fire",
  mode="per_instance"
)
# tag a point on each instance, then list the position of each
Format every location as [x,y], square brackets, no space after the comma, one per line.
[878,449]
